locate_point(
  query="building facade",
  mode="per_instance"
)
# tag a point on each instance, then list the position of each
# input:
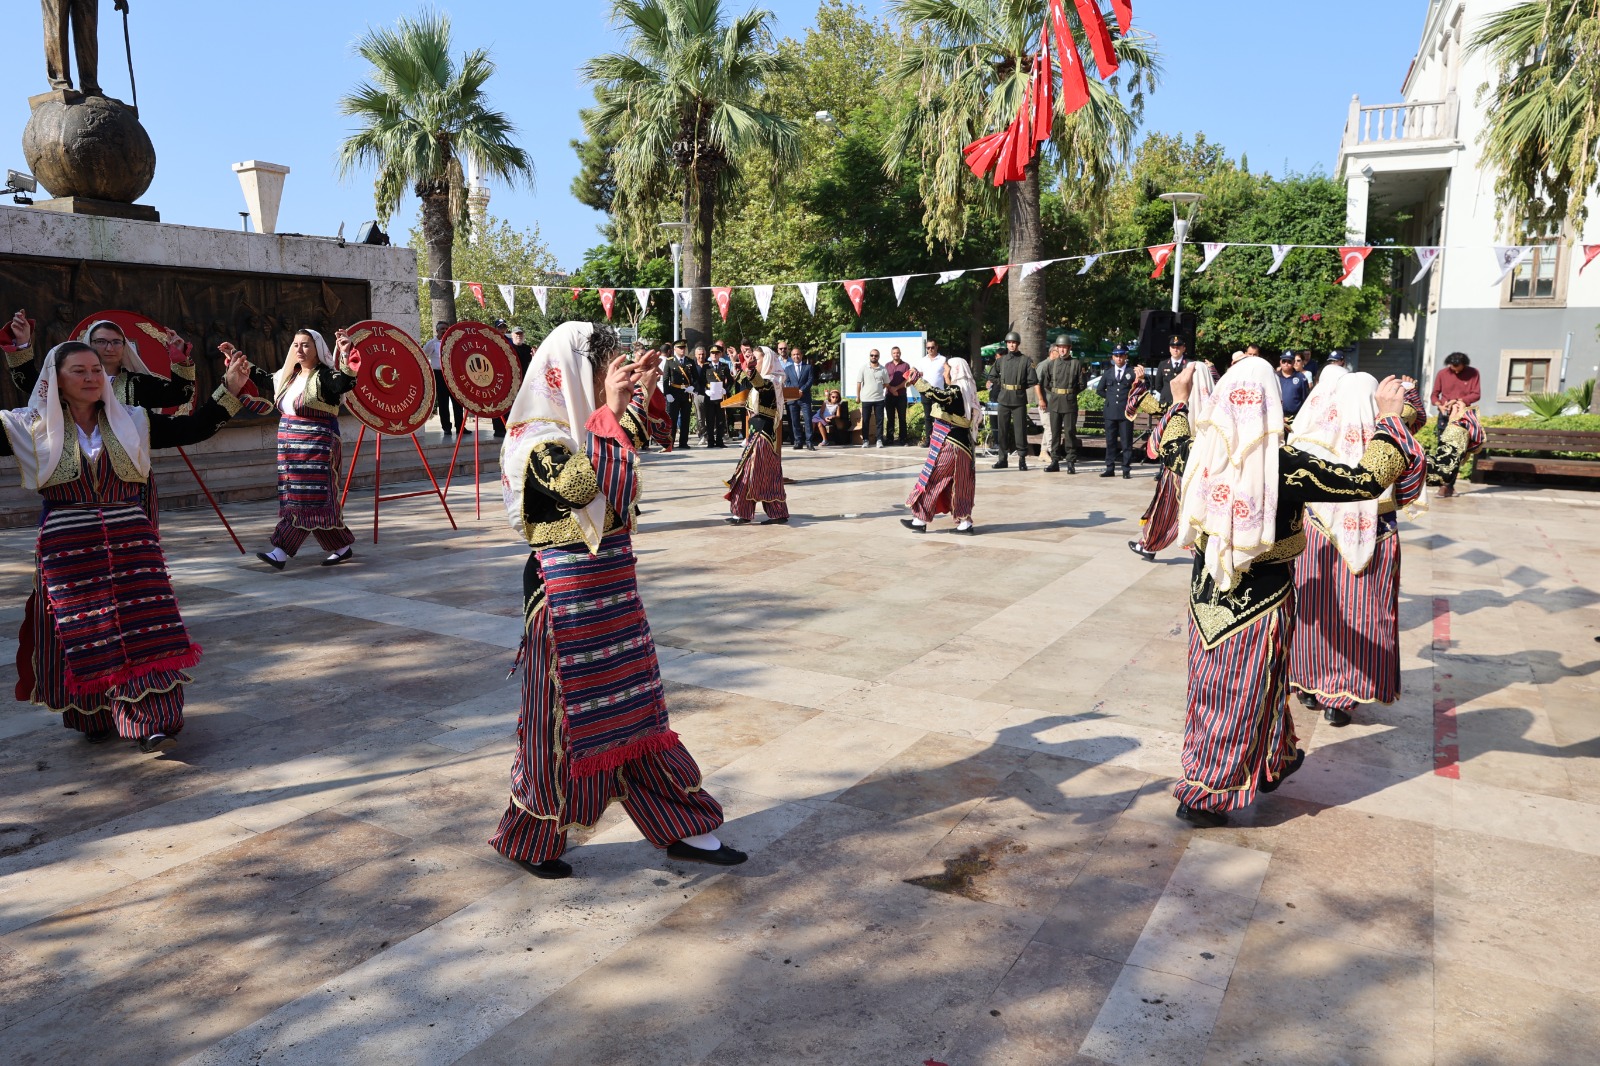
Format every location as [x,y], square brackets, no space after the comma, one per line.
[1415,176]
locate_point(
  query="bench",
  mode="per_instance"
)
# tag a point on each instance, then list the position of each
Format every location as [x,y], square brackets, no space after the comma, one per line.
[1506,439]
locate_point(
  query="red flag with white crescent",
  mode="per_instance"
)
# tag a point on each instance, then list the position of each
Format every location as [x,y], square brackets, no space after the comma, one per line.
[608,300]
[575,294]
[1124,12]
[1044,80]
[1074,82]
[857,291]
[982,153]
[1589,253]
[1094,28]
[724,296]
[477,292]
[1160,253]
[1352,256]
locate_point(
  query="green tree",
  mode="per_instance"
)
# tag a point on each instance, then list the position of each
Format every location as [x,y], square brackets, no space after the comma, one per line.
[683,107]
[500,255]
[420,113]
[971,64]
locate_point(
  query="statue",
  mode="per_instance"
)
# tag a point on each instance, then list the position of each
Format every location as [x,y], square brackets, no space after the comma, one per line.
[86,148]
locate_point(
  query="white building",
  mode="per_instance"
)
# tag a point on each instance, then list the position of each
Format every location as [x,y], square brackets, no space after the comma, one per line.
[1415,172]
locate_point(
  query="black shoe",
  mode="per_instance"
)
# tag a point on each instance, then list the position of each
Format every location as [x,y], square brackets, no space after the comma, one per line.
[1022,463]
[1309,702]
[1144,553]
[335,558]
[1299,761]
[774,521]
[1201,819]
[1109,473]
[1053,468]
[550,869]
[723,856]
[1126,475]
[1335,717]
[101,737]
[735,521]
[1001,465]
[1072,467]
[914,527]
[270,561]
[155,742]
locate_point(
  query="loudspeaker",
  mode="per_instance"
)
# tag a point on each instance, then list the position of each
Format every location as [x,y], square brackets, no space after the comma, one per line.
[1154,329]
[371,233]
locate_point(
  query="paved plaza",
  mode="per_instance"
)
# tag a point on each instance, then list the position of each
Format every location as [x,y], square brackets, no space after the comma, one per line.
[949,758]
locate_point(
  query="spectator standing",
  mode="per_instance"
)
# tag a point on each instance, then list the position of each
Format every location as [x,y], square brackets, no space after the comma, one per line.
[524,350]
[701,417]
[680,383]
[1292,385]
[871,384]
[1456,382]
[798,374]
[447,403]
[935,379]
[895,399]
[1115,384]
[1061,378]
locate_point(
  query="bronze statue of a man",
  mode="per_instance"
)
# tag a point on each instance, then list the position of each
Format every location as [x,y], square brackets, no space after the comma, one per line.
[80,18]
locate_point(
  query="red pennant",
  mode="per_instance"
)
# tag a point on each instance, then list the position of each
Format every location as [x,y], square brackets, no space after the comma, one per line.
[982,153]
[724,296]
[1020,149]
[608,300]
[1074,82]
[1124,10]
[1160,253]
[1353,256]
[1044,110]
[1589,253]
[477,292]
[1094,28]
[1000,273]
[857,290]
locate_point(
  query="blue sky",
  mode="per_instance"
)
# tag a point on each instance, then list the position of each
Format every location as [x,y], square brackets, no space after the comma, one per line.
[224,82]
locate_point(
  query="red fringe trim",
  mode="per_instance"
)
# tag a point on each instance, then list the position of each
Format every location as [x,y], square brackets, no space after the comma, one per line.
[612,758]
[131,672]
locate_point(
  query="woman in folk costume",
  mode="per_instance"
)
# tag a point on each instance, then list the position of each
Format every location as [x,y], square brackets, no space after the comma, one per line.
[593,726]
[307,390]
[1347,582]
[133,383]
[1241,508]
[758,478]
[1158,526]
[1463,436]
[946,484]
[102,641]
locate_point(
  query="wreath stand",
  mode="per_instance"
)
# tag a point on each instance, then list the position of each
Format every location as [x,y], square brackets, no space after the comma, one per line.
[198,480]
[378,498]
[477,468]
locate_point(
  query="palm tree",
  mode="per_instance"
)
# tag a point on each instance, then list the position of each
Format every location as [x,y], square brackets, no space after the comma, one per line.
[421,113]
[970,68]
[683,107]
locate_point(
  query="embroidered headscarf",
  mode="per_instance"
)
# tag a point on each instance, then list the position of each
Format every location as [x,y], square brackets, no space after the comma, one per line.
[553,406]
[1230,482]
[1202,379]
[770,366]
[40,433]
[958,372]
[291,363]
[1339,430]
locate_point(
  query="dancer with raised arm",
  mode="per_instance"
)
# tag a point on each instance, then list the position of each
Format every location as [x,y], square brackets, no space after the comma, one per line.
[758,477]
[1158,526]
[948,479]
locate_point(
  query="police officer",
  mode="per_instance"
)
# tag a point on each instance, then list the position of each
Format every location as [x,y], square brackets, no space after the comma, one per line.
[1158,379]
[1011,379]
[682,382]
[1114,387]
[1061,378]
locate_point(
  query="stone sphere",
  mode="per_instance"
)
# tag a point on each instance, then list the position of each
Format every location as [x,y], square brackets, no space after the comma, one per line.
[94,148]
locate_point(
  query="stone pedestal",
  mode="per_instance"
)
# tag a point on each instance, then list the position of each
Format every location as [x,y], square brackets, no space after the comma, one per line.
[83,205]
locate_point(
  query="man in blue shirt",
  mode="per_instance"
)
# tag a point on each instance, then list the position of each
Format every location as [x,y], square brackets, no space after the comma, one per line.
[1292,384]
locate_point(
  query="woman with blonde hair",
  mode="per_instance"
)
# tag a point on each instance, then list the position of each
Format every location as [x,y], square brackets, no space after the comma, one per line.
[758,477]
[947,484]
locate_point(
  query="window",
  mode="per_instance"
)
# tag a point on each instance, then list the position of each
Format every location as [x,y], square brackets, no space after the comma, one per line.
[1535,279]
[1526,373]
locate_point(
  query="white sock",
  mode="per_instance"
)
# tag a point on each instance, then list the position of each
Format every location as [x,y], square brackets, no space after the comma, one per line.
[277,555]
[342,552]
[705,842]
[965,523]
[918,522]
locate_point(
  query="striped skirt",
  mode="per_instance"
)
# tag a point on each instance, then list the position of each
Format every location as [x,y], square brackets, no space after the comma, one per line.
[1347,640]
[1237,731]
[309,454]
[946,484]
[1159,524]
[758,478]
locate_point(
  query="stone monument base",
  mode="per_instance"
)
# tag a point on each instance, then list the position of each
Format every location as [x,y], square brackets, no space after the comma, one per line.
[84,205]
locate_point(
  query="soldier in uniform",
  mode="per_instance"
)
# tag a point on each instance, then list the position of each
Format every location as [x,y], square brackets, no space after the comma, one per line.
[1158,379]
[682,383]
[1010,380]
[1061,378]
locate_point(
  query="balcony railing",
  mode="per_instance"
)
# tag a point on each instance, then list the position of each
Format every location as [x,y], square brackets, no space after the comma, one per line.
[1422,120]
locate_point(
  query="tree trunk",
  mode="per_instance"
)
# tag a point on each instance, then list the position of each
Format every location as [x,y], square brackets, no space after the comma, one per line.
[697,258]
[439,236]
[1027,246]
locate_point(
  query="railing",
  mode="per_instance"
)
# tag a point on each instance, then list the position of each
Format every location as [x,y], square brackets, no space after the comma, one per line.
[1428,120]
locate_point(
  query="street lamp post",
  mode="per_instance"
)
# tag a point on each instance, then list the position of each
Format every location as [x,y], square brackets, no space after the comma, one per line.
[677,254]
[1184,205]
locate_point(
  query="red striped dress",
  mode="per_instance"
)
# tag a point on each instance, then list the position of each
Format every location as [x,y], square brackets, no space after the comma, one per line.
[758,476]
[947,483]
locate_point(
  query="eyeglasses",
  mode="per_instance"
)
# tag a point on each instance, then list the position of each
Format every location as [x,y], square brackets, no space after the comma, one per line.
[109,342]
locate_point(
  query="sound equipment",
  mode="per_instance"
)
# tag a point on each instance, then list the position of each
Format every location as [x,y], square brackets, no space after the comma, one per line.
[1154,329]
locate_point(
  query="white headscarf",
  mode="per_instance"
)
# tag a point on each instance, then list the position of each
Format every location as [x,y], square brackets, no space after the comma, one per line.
[1230,483]
[769,366]
[291,363]
[132,361]
[554,404]
[1202,379]
[39,432]
[958,372]
[1339,430]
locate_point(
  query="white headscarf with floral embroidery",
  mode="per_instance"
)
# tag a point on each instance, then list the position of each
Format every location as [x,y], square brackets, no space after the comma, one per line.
[553,406]
[1338,430]
[1230,482]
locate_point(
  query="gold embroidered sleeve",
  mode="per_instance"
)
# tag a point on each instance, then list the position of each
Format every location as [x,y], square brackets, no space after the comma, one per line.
[1176,439]
[1383,461]
[557,472]
[228,400]
[183,370]
[1150,405]
[18,357]
[1308,479]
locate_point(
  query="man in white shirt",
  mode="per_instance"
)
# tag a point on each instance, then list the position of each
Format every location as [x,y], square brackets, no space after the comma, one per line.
[446,402]
[935,376]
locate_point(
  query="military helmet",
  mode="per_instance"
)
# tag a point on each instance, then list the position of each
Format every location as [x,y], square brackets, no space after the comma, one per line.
[1013,336]
[1062,341]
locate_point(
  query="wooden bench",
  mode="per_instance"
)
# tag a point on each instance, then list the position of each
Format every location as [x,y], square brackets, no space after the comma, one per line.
[1500,438]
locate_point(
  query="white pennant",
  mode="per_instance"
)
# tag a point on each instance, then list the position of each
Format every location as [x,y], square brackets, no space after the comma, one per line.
[643,296]
[1088,264]
[1030,269]
[1509,257]
[685,297]
[808,289]
[1428,256]
[763,299]
[948,276]
[1278,252]
[508,293]
[457,284]
[1212,249]
[540,294]
[900,287]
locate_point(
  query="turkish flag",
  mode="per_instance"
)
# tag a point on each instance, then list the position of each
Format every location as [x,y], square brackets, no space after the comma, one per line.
[1124,10]
[1353,256]
[724,296]
[1044,104]
[575,293]
[982,153]
[857,290]
[1589,252]
[477,292]
[1000,273]
[1020,150]
[1094,28]
[1160,253]
[608,300]
[1074,82]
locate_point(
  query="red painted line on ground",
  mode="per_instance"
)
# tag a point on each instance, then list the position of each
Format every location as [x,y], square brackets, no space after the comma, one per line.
[1446,749]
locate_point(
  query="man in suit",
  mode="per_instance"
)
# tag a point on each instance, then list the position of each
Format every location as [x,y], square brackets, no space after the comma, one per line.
[798,374]
[716,381]
[1011,381]
[1114,386]
[1158,379]
[1061,378]
[681,385]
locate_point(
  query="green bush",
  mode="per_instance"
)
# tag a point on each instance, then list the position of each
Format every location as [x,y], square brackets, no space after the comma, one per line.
[1089,400]
[1560,423]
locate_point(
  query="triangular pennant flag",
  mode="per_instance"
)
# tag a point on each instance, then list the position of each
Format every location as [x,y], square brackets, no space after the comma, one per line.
[763,295]
[1094,28]
[1088,264]
[857,291]
[457,285]
[1278,252]
[575,294]
[1074,82]
[1510,256]
[1428,256]
[1352,256]
[1124,12]
[477,292]
[808,289]
[1212,250]
[723,294]
[1160,253]
[1589,252]
[608,300]
[508,293]
[900,287]
[947,276]
[1000,273]
[643,296]
[1030,269]
[685,298]
[540,296]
